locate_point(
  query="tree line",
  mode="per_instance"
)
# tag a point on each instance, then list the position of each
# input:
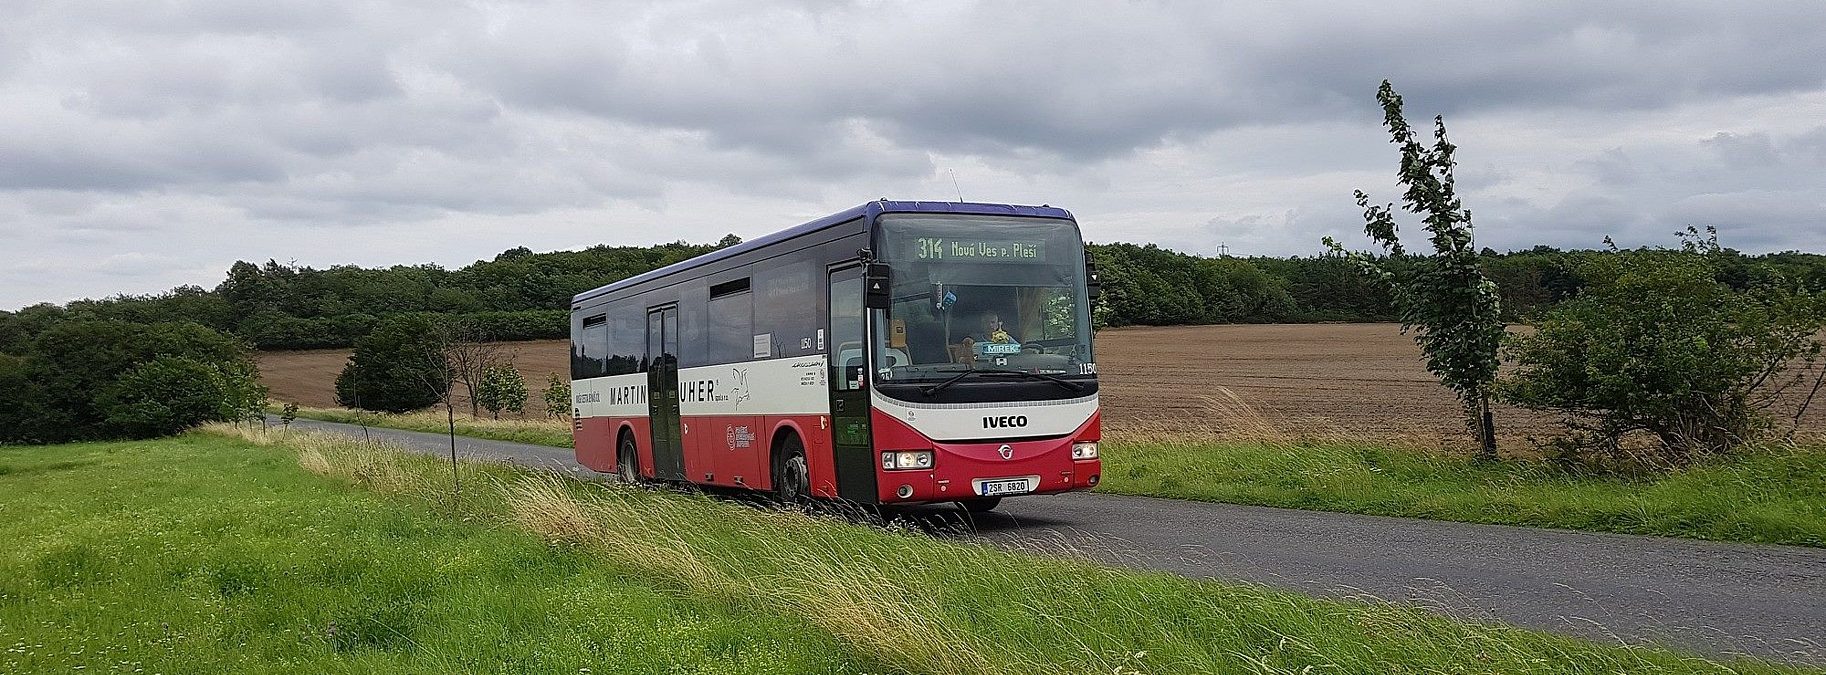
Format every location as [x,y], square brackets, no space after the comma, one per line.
[518,295]
[522,295]
[1153,286]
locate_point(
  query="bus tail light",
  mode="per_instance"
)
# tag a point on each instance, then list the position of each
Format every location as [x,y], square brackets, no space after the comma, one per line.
[1084,450]
[906,459]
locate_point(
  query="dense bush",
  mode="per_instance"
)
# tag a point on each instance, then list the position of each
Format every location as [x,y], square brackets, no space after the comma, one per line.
[398,368]
[77,379]
[270,329]
[1659,343]
[557,396]
[20,402]
[547,324]
[164,396]
[501,390]
[1153,286]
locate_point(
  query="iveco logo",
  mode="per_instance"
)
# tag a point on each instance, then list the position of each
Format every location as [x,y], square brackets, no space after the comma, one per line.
[1006,451]
[1005,422]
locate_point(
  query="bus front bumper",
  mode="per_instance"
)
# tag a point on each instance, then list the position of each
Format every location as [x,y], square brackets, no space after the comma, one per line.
[964,471]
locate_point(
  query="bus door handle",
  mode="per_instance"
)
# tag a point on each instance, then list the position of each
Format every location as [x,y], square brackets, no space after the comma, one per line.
[839,405]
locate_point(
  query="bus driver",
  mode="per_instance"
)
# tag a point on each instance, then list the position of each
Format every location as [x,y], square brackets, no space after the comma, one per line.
[992,332]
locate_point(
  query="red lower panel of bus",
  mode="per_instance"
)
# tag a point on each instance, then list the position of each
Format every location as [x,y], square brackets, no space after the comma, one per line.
[732,450]
[959,468]
[595,440]
[737,450]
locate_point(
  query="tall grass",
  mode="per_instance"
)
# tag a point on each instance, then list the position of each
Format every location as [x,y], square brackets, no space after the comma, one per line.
[201,554]
[1235,453]
[932,606]
[1768,494]
[536,431]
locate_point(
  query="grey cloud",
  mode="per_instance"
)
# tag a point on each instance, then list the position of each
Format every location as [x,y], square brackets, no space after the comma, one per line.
[1756,219]
[1089,81]
[1748,150]
[209,130]
[1810,147]
[1613,167]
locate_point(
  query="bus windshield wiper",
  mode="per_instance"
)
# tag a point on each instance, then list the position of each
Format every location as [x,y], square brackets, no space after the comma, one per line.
[1068,384]
[934,389]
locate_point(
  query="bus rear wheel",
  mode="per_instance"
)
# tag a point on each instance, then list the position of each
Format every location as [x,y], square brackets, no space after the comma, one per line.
[792,480]
[981,504]
[625,458]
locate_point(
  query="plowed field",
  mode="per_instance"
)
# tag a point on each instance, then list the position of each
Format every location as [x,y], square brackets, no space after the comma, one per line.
[1356,380]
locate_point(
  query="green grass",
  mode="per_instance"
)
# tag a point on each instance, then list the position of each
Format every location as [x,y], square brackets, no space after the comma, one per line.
[1775,496]
[1770,495]
[201,554]
[555,433]
[213,554]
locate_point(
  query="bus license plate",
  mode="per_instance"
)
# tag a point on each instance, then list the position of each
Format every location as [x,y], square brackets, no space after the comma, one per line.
[1008,486]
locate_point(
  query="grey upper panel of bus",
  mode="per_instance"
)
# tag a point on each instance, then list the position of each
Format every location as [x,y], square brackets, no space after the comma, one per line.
[870,209]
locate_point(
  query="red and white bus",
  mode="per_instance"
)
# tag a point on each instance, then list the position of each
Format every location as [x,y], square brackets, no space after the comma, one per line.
[897,352]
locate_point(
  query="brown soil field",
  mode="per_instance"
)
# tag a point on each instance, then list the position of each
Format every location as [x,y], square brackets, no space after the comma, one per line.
[1357,381]
[308,377]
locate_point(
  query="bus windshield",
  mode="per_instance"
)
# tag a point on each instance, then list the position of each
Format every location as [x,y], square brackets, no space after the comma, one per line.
[981,293]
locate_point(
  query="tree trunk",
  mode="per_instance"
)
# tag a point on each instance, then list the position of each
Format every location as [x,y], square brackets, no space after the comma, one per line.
[456,483]
[1488,452]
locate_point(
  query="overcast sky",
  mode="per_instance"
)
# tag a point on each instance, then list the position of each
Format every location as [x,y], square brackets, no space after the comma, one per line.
[150,143]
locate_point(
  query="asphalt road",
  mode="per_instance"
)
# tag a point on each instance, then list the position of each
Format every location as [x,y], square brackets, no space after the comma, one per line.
[1719,599]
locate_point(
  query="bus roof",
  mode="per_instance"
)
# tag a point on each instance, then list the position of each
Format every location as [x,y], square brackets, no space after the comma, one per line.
[844,216]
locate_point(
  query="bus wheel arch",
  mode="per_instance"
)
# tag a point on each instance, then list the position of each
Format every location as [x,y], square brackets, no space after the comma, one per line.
[627,455]
[791,473]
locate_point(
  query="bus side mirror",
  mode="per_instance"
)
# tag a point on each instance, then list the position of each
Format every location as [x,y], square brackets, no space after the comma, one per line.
[876,285]
[1092,283]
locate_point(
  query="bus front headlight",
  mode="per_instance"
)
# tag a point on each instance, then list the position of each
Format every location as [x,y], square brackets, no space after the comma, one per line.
[906,459]
[1084,450]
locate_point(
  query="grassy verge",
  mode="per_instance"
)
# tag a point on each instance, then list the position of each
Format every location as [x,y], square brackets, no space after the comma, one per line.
[1774,495]
[555,433]
[230,547]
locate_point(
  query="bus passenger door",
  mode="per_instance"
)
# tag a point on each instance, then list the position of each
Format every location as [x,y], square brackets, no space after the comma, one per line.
[662,398]
[851,452]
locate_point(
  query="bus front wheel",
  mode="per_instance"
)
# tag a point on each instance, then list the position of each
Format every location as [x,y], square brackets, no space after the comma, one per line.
[981,505]
[792,480]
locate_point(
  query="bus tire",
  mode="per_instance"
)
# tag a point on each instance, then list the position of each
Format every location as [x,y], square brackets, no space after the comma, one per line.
[627,468]
[792,479]
[981,504]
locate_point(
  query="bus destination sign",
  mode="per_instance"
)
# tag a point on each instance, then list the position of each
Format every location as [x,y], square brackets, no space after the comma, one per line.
[973,250]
